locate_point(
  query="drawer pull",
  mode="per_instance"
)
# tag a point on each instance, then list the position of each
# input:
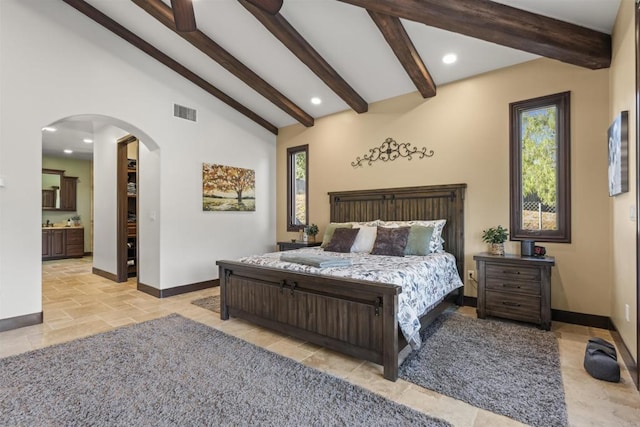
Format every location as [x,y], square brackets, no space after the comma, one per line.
[508,285]
[509,272]
[511,304]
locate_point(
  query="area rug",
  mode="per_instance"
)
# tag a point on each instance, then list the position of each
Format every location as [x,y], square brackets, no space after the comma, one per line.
[210,303]
[506,368]
[174,371]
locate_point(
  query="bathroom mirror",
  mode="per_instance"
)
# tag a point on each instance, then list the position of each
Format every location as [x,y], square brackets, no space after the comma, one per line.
[58,191]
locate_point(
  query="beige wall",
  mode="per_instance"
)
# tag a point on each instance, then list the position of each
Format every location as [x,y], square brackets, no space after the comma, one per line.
[467,125]
[83,170]
[623,254]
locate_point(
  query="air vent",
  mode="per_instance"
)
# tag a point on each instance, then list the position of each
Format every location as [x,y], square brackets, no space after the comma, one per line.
[184,112]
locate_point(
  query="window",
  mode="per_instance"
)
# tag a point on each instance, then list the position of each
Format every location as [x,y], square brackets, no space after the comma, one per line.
[297,187]
[540,169]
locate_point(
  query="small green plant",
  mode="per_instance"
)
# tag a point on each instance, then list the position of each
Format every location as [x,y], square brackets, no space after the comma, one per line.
[75,218]
[311,230]
[495,235]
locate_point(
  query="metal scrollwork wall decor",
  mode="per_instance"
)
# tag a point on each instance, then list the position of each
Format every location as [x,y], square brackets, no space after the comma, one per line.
[391,150]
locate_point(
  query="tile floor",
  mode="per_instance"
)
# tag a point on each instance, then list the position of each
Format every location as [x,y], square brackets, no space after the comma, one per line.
[77,303]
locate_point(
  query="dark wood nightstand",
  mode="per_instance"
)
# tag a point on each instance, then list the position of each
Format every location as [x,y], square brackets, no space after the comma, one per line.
[287,246]
[515,287]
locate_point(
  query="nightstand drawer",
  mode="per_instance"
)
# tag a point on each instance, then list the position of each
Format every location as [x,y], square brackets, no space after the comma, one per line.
[505,284]
[514,272]
[513,306]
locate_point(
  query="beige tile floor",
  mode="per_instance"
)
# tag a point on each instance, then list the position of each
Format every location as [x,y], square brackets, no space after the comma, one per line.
[77,303]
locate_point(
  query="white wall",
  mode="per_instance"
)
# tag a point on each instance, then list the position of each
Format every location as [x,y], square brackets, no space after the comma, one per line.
[105,198]
[68,66]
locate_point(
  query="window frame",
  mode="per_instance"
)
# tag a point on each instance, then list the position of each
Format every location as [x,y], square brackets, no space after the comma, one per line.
[562,102]
[291,152]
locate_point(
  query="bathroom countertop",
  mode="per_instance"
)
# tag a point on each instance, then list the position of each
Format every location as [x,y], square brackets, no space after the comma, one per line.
[61,226]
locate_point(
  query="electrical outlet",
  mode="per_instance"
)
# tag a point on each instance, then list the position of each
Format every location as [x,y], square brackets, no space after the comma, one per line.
[626,312]
[470,274]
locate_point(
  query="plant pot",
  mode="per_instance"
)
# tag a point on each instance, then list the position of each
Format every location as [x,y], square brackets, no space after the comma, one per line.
[496,248]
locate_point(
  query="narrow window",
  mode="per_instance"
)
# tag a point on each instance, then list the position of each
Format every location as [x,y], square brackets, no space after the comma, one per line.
[297,187]
[540,169]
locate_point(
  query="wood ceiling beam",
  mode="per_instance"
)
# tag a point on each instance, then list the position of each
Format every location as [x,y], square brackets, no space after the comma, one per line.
[183,15]
[198,39]
[293,40]
[399,41]
[150,50]
[269,6]
[506,26]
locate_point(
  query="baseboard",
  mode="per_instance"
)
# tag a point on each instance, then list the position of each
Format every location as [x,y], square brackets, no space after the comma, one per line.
[20,321]
[88,254]
[105,274]
[591,320]
[164,293]
[470,301]
[625,354]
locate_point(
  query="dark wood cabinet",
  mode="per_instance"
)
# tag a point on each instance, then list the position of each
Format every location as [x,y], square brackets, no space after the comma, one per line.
[68,193]
[515,287]
[287,246]
[58,243]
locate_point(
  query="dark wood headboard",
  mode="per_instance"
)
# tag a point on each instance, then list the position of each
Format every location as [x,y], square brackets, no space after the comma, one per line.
[405,204]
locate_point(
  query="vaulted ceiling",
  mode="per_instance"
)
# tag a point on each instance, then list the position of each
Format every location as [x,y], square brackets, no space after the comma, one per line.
[349,53]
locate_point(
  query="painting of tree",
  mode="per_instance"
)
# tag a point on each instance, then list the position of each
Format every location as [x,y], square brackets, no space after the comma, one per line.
[227,188]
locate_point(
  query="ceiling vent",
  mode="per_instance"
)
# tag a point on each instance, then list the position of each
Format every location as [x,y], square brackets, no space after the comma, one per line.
[184,112]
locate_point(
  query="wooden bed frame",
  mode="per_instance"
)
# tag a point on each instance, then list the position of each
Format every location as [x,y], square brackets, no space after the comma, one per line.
[354,317]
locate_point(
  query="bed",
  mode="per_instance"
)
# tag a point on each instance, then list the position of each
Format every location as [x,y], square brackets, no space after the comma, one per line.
[352,316]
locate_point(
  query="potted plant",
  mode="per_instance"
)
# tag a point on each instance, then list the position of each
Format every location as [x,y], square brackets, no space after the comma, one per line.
[311,230]
[76,220]
[495,237]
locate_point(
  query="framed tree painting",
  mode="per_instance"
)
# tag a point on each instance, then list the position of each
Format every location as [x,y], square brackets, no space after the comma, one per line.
[228,188]
[619,154]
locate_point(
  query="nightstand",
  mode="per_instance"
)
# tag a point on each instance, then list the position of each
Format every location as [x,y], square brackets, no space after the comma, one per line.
[287,246]
[515,287]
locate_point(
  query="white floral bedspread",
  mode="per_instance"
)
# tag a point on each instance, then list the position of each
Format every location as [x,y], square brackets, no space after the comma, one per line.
[425,280]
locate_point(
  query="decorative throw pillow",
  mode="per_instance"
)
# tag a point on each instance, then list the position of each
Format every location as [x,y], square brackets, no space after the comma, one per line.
[436,238]
[331,228]
[365,239]
[342,240]
[391,241]
[418,240]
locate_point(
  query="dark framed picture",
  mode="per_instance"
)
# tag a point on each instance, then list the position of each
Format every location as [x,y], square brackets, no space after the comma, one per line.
[619,154]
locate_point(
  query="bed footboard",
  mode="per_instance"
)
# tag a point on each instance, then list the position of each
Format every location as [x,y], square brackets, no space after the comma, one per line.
[354,317]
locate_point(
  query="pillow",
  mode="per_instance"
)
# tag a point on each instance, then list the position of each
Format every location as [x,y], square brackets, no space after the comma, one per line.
[390,241]
[373,223]
[342,240]
[331,228]
[419,240]
[438,225]
[365,238]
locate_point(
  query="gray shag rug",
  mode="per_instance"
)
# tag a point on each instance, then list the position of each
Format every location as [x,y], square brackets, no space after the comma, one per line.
[210,303]
[174,371]
[506,368]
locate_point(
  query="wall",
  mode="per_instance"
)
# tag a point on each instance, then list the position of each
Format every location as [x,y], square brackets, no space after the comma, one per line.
[105,199]
[81,169]
[467,125]
[622,85]
[70,66]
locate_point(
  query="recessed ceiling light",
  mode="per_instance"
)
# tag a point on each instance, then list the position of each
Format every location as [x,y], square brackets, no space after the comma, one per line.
[87,140]
[450,58]
[67,151]
[49,129]
[316,101]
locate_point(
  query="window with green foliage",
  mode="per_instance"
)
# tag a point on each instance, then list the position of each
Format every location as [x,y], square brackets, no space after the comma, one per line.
[297,187]
[540,169]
